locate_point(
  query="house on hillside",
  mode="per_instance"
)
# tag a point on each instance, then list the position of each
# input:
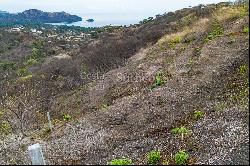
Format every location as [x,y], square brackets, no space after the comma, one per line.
[15,30]
[33,30]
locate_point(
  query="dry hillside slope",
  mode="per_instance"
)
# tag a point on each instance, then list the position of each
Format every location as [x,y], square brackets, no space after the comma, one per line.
[195,78]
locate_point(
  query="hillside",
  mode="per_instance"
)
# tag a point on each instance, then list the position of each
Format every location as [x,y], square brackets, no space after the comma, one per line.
[34,15]
[3,12]
[176,86]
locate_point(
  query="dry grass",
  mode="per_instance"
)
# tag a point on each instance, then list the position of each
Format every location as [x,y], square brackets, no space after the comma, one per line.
[221,14]
[169,39]
[226,13]
[173,38]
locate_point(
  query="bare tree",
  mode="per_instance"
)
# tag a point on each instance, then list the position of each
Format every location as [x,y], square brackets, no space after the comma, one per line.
[20,105]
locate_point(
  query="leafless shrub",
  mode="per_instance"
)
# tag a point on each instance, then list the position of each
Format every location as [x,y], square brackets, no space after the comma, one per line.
[21,107]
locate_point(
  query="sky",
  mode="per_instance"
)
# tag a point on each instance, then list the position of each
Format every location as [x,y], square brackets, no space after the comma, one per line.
[101,6]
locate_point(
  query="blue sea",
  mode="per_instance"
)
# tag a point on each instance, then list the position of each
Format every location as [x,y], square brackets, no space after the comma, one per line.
[114,19]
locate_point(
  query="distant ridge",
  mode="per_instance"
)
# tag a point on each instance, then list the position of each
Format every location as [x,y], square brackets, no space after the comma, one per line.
[35,15]
[3,12]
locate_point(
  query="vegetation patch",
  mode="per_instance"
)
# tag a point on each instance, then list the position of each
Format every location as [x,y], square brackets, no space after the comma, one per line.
[181,157]
[240,9]
[123,161]
[7,65]
[245,29]
[198,114]
[153,157]
[175,40]
[242,6]
[187,20]
[104,106]
[216,31]
[5,127]
[37,52]
[190,62]
[172,39]
[181,130]
[31,62]
[66,117]
[21,72]
[243,69]
[25,78]
[158,80]
[198,50]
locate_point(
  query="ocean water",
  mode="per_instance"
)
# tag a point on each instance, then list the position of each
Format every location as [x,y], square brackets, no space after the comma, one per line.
[103,19]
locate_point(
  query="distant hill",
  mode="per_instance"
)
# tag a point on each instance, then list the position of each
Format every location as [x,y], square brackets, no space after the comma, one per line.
[34,15]
[3,12]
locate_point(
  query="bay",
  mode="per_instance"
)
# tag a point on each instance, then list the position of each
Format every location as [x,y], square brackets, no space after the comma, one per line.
[103,19]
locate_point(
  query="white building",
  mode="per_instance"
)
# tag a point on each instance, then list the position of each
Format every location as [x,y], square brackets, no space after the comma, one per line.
[15,30]
[33,30]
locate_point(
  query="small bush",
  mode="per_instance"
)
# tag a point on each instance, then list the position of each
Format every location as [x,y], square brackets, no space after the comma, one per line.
[66,117]
[153,157]
[198,114]
[22,72]
[37,44]
[158,80]
[5,65]
[245,30]
[198,50]
[181,157]
[124,161]
[31,62]
[243,69]
[174,41]
[181,130]
[190,62]
[38,50]
[5,127]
